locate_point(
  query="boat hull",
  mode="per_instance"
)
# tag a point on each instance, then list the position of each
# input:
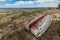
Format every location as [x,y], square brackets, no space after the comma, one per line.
[42,26]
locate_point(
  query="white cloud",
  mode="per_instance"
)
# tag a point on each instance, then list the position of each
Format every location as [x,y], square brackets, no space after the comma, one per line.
[3,0]
[29,2]
[20,3]
[42,1]
[37,3]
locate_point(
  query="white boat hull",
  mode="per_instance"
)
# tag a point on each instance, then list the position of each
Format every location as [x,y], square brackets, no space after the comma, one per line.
[43,27]
[39,25]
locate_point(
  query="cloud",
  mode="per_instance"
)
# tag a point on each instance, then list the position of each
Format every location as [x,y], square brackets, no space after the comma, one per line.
[37,3]
[24,3]
[21,3]
[42,1]
[3,0]
[28,2]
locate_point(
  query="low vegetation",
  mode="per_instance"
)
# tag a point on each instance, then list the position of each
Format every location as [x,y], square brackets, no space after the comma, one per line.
[13,23]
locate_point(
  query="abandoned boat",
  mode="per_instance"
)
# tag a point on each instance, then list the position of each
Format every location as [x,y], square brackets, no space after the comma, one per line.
[39,25]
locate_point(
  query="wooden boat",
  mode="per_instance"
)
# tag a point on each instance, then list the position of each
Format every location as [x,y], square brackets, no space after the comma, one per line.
[39,25]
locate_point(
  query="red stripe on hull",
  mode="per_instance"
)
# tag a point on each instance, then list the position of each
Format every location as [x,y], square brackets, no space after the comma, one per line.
[35,24]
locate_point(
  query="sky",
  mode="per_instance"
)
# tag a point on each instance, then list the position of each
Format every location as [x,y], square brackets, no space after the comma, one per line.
[28,3]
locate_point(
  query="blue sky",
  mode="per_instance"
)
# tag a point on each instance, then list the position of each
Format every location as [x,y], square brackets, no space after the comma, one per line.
[28,3]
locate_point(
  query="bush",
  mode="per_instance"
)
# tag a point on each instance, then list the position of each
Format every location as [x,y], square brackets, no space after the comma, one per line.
[59,6]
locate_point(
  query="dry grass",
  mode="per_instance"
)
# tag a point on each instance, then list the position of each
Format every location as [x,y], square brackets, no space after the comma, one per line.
[12,25]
